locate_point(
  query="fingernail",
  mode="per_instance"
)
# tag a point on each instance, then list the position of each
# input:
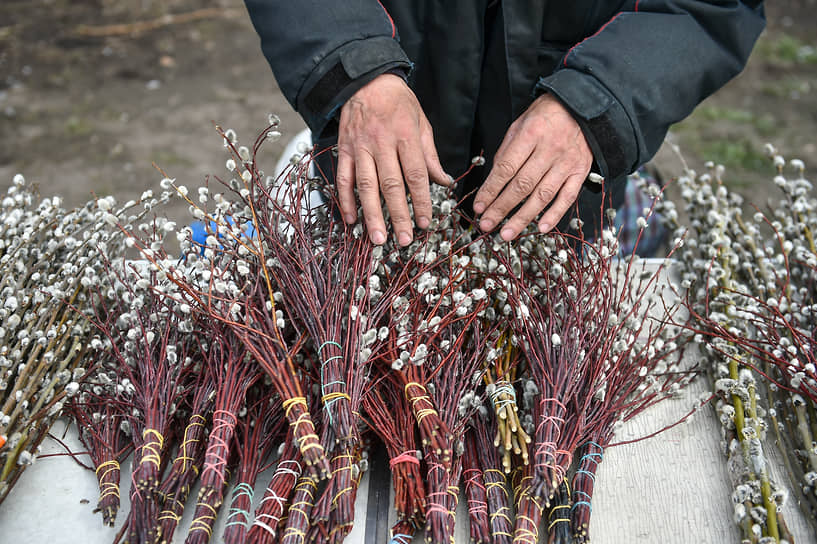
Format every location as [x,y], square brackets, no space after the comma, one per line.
[378,238]
[451,180]
[507,234]
[479,207]
[423,222]
[486,224]
[404,238]
[544,227]
[349,218]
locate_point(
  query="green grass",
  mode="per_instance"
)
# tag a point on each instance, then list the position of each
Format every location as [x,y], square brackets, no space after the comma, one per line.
[76,127]
[731,120]
[764,123]
[787,87]
[787,50]
[738,154]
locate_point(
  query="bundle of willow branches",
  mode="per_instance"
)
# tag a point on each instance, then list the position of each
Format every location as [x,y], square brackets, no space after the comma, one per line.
[49,259]
[754,310]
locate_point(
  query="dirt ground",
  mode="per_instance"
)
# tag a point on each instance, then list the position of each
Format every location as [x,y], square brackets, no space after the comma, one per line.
[86,106]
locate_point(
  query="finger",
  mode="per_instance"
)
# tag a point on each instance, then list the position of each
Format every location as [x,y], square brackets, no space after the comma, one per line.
[509,158]
[567,197]
[345,184]
[432,159]
[368,191]
[394,193]
[416,176]
[526,182]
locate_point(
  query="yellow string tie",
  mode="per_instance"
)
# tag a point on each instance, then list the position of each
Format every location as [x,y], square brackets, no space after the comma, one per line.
[421,414]
[334,396]
[344,467]
[202,520]
[523,535]
[311,445]
[289,403]
[500,514]
[555,521]
[107,489]
[170,514]
[525,518]
[341,492]
[113,463]
[183,456]
[153,447]
[306,484]
[302,419]
[293,532]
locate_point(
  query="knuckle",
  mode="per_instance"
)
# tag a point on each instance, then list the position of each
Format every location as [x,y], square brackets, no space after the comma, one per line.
[505,169]
[572,193]
[525,185]
[391,184]
[342,180]
[415,176]
[366,183]
[545,193]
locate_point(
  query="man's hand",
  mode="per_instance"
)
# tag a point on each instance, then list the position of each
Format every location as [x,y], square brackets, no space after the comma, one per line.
[385,143]
[543,156]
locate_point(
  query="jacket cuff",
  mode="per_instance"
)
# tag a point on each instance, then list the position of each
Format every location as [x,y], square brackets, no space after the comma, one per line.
[605,124]
[343,72]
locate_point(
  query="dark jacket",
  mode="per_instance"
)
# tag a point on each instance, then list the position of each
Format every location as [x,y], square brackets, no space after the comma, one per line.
[627,70]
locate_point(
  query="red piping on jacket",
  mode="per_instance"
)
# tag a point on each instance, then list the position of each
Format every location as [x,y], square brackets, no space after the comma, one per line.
[587,38]
[393,29]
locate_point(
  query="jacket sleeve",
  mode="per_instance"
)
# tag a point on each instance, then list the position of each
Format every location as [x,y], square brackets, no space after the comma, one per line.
[648,68]
[322,52]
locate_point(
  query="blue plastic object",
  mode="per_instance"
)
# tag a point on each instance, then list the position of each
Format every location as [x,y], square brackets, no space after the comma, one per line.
[200,233]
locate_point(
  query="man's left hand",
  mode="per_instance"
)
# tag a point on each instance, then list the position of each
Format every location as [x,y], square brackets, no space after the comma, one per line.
[543,158]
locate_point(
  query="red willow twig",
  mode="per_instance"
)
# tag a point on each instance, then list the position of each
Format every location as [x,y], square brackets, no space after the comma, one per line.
[239,264]
[273,505]
[186,466]
[529,505]
[323,267]
[496,487]
[630,363]
[458,366]
[298,520]
[276,360]
[558,522]
[152,353]
[334,511]
[475,491]
[553,339]
[234,373]
[258,433]
[318,267]
[299,510]
[99,419]
[391,419]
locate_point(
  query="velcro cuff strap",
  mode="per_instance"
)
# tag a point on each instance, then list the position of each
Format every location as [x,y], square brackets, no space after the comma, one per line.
[352,66]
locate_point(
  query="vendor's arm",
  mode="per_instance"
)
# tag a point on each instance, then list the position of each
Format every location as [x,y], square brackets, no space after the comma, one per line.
[642,71]
[343,57]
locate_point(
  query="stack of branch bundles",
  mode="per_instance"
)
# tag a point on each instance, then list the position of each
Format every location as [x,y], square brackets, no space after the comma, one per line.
[755,309]
[49,257]
[287,342]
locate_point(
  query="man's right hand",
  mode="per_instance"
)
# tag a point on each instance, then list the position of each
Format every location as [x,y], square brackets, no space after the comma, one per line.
[385,143]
